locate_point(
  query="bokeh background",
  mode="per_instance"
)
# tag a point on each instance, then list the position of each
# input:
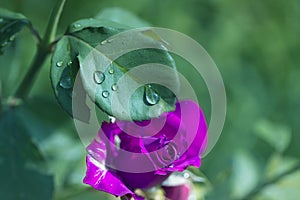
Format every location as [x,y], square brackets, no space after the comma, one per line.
[256,47]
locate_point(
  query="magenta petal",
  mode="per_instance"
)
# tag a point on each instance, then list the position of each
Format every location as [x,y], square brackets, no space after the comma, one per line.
[169,143]
[98,176]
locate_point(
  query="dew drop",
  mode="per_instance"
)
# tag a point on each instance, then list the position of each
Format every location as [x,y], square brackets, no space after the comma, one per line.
[117,141]
[186,175]
[111,70]
[109,41]
[70,63]
[112,119]
[103,42]
[76,25]
[105,94]
[114,87]
[59,63]
[99,77]
[11,38]
[151,96]
[66,82]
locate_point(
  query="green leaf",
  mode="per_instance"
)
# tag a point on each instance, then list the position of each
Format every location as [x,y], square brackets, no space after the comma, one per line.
[285,188]
[20,160]
[10,24]
[79,192]
[277,135]
[122,16]
[76,51]
[45,114]
[245,174]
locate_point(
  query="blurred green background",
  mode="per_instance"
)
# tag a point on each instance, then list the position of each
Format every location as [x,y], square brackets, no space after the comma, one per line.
[256,47]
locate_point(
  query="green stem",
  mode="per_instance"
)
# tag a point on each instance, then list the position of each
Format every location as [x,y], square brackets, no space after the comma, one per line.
[44,49]
[271,181]
[35,32]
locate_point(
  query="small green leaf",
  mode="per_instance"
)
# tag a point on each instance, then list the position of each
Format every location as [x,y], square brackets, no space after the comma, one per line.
[245,174]
[10,24]
[277,135]
[78,47]
[286,188]
[20,161]
[122,16]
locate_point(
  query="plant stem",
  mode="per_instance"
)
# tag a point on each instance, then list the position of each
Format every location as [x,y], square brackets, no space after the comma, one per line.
[44,49]
[35,32]
[273,180]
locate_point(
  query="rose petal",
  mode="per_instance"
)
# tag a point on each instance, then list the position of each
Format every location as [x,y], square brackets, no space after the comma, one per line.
[98,176]
[169,143]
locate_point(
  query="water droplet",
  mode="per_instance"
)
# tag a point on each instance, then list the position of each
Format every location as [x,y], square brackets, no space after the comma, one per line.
[66,82]
[70,62]
[103,42]
[117,141]
[114,87]
[151,96]
[99,77]
[112,119]
[109,41]
[111,70]
[186,175]
[77,25]
[105,94]
[59,63]
[169,152]
[12,38]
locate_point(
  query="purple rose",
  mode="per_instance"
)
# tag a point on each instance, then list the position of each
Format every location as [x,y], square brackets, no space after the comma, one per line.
[129,155]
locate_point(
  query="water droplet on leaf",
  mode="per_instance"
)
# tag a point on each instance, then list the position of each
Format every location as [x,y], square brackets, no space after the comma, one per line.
[66,82]
[103,42]
[105,94]
[76,25]
[114,87]
[186,175]
[151,97]
[59,63]
[99,77]
[111,70]
[11,38]
[70,62]
[112,119]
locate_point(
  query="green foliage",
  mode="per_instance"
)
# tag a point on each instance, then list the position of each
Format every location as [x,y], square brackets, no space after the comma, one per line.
[10,24]
[255,45]
[278,136]
[122,16]
[84,48]
[20,162]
